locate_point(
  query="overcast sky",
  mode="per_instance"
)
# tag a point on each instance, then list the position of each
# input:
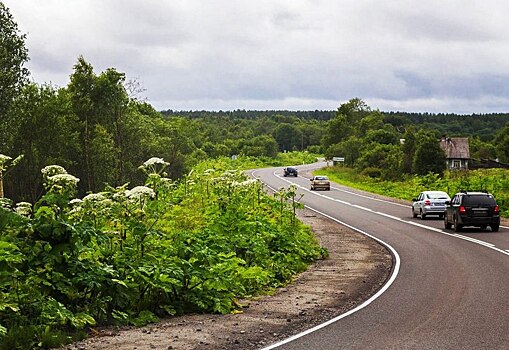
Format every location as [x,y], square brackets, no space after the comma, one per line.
[421,56]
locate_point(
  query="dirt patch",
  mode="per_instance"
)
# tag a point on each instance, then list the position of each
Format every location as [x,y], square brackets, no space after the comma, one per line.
[355,269]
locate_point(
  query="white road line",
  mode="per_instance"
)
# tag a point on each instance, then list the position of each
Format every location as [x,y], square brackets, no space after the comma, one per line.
[465,238]
[395,254]
[474,240]
[395,271]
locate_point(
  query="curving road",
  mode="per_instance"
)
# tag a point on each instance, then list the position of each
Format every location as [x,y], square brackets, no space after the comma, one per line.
[450,291]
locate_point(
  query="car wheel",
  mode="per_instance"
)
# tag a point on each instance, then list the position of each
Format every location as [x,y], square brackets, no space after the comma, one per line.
[414,215]
[440,216]
[447,224]
[423,216]
[328,188]
[495,227]
[483,227]
[457,226]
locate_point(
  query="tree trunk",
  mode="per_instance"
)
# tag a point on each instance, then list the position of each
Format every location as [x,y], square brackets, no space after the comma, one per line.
[1,185]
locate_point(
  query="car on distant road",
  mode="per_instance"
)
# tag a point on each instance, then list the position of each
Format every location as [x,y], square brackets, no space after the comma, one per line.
[477,209]
[429,203]
[290,171]
[320,182]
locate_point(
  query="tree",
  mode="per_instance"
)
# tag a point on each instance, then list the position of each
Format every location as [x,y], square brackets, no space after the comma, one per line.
[46,131]
[338,129]
[502,144]
[13,75]
[350,149]
[288,137]
[408,149]
[81,91]
[354,110]
[428,157]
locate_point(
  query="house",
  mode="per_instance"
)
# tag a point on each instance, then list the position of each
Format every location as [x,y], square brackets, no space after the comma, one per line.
[457,153]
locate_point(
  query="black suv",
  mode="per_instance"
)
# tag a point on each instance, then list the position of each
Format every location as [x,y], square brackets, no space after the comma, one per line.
[290,171]
[472,209]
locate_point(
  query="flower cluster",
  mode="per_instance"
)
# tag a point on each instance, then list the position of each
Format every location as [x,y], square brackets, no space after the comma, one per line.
[94,197]
[23,208]
[57,179]
[62,180]
[52,170]
[154,165]
[139,192]
[6,203]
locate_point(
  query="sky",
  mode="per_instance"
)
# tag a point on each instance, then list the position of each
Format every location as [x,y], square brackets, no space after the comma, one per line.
[396,55]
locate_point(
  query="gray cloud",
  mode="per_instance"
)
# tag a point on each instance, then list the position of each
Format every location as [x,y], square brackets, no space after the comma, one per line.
[298,54]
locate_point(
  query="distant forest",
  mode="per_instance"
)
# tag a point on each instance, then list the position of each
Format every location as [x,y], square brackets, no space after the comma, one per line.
[484,126]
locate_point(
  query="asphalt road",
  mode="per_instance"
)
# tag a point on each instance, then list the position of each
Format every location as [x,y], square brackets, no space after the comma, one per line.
[451,291]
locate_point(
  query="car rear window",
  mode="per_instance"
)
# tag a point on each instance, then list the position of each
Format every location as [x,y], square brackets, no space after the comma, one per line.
[321,178]
[478,199]
[438,196]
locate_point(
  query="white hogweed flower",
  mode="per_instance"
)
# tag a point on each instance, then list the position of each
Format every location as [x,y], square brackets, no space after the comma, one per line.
[23,208]
[63,179]
[140,192]
[155,160]
[52,170]
[6,203]
[94,197]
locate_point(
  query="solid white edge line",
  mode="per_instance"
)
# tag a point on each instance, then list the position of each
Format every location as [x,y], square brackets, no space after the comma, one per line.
[394,274]
[429,228]
[375,296]
[393,251]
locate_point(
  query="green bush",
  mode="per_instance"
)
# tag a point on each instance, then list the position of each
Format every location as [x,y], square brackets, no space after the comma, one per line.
[129,256]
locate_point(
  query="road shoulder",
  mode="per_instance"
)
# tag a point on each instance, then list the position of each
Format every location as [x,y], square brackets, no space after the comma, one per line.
[356,268]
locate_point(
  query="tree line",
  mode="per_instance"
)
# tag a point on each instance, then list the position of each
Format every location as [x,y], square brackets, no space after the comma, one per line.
[100,131]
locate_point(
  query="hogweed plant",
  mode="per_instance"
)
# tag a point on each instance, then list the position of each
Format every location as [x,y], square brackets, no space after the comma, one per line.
[129,255]
[6,162]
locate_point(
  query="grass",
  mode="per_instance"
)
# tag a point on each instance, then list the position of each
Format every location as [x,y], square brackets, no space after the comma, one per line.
[495,181]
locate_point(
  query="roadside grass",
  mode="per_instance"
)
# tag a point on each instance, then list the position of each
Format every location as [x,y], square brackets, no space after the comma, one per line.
[495,181]
[246,162]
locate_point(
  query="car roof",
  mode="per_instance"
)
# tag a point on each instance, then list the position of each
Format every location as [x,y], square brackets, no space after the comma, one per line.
[475,193]
[441,192]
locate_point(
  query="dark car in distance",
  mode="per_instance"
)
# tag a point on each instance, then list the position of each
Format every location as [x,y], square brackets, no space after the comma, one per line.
[477,209]
[290,171]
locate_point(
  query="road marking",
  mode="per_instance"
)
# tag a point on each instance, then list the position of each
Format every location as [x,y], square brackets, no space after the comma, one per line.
[394,253]
[394,274]
[465,238]
[474,240]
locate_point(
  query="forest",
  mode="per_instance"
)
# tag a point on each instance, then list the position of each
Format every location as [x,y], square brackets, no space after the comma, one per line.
[112,212]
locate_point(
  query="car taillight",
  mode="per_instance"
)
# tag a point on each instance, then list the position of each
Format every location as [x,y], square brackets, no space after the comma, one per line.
[463,210]
[427,202]
[496,210]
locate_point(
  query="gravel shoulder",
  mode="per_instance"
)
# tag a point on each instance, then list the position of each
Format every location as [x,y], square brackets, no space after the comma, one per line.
[355,269]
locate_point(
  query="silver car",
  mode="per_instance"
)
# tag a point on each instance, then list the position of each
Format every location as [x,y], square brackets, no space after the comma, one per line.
[430,203]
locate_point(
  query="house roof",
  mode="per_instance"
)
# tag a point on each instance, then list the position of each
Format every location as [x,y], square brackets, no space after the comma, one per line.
[455,147]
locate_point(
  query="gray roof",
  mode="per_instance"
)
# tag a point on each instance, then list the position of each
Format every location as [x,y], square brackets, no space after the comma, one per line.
[455,147]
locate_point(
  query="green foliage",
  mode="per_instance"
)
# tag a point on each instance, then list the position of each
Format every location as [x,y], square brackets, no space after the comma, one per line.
[428,156]
[12,58]
[131,255]
[495,181]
